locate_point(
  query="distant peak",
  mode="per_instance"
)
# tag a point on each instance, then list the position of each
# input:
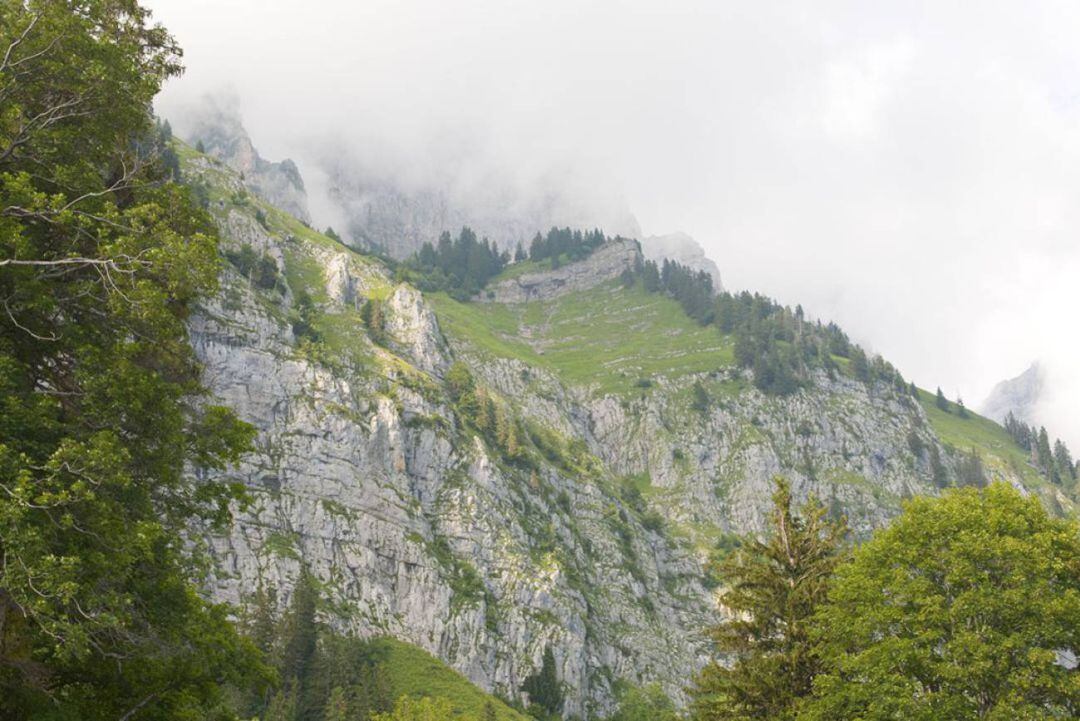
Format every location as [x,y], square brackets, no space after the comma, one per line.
[217,125]
[1017,395]
[683,249]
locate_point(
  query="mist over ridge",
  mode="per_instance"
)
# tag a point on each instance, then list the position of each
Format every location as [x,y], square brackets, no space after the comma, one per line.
[909,172]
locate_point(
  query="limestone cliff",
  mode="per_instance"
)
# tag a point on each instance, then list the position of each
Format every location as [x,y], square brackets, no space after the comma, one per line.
[592,535]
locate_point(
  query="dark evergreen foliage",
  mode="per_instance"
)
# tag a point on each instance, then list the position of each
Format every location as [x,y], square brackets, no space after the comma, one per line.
[1055,462]
[323,676]
[461,266]
[565,245]
[543,687]
[766,661]
[779,344]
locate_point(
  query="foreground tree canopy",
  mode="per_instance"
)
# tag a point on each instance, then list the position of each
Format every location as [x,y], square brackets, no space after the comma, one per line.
[101,259]
[966,607]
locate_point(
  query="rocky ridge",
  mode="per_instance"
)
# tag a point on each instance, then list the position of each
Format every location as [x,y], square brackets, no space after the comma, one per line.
[607,262]
[419,526]
[1018,396]
[218,127]
[682,249]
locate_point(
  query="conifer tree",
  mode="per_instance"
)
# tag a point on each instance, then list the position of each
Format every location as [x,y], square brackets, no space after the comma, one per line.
[1046,458]
[701,401]
[774,588]
[860,367]
[337,706]
[941,401]
[1063,461]
[543,686]
[300,643]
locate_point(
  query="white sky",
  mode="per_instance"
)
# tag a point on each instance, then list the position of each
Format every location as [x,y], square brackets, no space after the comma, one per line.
[911,170]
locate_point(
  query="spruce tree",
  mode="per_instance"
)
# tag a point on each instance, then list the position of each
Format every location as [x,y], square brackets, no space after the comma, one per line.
[543,686]
[1046,458]
[860,367]
[773,589]
[337,706]
[941,401]
[300,643]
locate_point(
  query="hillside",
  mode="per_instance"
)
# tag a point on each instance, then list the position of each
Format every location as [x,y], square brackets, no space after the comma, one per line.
[411,671]
[489,479]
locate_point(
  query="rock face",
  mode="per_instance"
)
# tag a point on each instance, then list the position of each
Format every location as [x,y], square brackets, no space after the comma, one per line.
[1018,396]
[607,262]
[590,538]
[396,216]
[682,249]
[218,127]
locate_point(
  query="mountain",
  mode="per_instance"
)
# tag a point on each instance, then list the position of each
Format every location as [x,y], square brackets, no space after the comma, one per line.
[392,214]
[1018,396]
[552,465]
[216,126]
[396,215]
[682,249]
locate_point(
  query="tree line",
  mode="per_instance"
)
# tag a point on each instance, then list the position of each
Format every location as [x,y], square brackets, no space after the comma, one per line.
[460,265]
[463,265]
[1055,462]
[779,344]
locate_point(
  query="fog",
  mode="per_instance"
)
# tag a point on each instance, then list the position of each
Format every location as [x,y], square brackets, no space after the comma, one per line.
[910,170]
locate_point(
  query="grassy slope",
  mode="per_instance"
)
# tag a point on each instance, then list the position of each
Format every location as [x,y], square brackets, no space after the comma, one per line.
[996,446]
[607,338]
[342,331]
[414,672]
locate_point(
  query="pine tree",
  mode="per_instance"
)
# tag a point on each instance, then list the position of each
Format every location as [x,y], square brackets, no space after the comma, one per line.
[937,469]
[860,367]
[300,640]
[961,411]
[701,401]
[774,588]
[941,401]
[282,706]
[337,706]
[1063,461]
[543,686]
[1046,458]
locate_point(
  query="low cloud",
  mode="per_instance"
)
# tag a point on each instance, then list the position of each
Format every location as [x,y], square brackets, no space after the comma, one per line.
[909,171]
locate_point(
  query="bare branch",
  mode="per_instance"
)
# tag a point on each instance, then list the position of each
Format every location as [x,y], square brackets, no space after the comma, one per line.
[6,62]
